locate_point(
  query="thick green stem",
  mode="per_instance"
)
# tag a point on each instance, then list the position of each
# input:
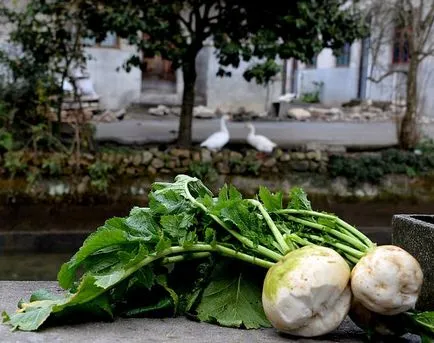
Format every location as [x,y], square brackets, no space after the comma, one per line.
[298,239]
[353,260]
[351,229]
[348,239]
[243,257]
[343,247]
[356,233]
[223,251]
[277,235]
[152,258]
[259,248]
[180,258]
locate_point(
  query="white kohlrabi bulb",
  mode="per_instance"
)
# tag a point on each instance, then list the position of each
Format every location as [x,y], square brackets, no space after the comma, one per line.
[307,293]
[387,280]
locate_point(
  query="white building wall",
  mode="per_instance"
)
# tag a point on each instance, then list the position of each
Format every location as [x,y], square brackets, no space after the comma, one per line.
[340,83]
[231,93]
[116,89]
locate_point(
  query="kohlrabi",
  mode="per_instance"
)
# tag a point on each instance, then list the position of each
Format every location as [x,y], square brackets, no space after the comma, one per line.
[387,280]
[307,293]
[121,267]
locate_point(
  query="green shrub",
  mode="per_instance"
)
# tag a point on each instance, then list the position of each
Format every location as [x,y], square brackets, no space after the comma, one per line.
[372,167]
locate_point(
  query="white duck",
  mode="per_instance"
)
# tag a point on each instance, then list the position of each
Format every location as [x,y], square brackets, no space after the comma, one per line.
[259,142]
[218,139]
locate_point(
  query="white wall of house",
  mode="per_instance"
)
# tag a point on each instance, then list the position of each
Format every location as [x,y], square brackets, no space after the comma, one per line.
[231,93]
[340,83]
[116,89]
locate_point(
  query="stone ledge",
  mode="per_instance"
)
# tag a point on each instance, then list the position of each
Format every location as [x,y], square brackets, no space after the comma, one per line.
[174,330]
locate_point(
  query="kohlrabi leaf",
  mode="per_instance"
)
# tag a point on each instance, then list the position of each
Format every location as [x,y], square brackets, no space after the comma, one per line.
[146,310]
[298,199]
[32,318]
[424,322]
[233,298]
[43,294]
[272,202]
[92,286]
[176,197]
[142,221]
[247,221]
[176,227]
[110,238]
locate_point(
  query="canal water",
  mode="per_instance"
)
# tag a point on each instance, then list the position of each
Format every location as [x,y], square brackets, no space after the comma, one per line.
[36,239]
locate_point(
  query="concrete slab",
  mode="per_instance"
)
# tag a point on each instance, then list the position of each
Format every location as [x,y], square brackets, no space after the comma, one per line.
[172,330]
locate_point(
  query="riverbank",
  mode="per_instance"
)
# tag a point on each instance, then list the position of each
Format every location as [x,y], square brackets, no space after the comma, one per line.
[123,174]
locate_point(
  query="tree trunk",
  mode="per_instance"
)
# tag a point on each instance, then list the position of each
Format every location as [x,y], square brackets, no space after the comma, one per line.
[185,122]
[408,136]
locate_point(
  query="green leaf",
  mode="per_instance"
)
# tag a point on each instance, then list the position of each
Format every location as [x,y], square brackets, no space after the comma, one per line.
[168,202]
[163,303]
[247,220]
[176,226]
[32,318]
[272,202]
[43,294]
[106,236]
[142,220]
[144,277]
[210,236]
[426,339]
[163,244]
[233,298]
[299,200]
[162,281]
[178,196]
[424,321]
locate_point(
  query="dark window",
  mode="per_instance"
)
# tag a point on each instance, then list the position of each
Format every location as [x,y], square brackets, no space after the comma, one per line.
[344,56]
[312,62]
[401,52]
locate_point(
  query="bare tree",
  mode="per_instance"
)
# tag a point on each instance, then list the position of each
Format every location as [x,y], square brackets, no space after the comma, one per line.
[411,23]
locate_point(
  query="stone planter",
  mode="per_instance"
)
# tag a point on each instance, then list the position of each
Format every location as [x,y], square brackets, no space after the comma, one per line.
[415,234]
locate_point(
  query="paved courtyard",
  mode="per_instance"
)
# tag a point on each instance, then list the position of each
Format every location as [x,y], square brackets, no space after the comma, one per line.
[285,134]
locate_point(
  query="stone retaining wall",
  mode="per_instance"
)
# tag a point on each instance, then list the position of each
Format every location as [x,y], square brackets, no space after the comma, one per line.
[129,173]
[225,162]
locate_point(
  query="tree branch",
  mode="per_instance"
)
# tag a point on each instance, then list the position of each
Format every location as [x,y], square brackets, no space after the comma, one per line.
[427,25]
[429,18]
[186,24]
[424,54]
[385,75]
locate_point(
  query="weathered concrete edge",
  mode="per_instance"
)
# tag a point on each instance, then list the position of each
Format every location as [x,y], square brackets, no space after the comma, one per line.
[173,330]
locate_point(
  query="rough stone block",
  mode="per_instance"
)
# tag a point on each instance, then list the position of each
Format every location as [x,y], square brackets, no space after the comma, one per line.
[415,234]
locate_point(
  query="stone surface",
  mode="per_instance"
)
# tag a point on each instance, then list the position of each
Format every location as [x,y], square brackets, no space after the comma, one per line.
[146,157]
[235,155]
[157,163]
[206,155]
[285,157]
[185,153]
[415,234]
[299,113]
[203,112]
[300,166]
[160,110]
[271,162]
[135,330]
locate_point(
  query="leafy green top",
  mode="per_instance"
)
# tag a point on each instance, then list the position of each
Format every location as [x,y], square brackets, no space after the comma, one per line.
[177,257]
